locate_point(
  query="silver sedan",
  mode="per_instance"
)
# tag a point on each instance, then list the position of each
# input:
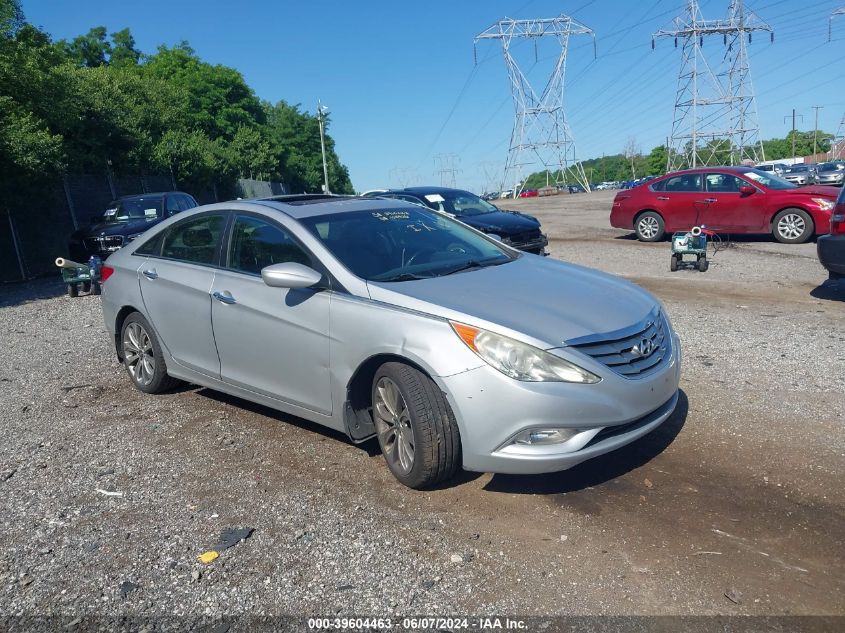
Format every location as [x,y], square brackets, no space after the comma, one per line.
[379,318]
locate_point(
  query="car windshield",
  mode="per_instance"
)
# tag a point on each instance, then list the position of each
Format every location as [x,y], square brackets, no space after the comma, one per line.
[768,180]
[404,243]
[828,167]
[133,209]
[459,203]
[796,168]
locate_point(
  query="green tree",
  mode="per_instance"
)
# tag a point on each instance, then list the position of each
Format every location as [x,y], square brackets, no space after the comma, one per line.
[89,50]
[123,51]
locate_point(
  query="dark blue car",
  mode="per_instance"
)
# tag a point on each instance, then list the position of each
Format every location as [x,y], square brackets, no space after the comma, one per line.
[516,229]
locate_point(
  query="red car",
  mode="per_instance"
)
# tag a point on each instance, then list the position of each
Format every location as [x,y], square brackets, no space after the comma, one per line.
[529,193]
[726,200]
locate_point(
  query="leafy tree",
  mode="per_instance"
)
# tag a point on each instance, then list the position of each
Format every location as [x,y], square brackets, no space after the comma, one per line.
[123,51]
[89,50]
[11,18]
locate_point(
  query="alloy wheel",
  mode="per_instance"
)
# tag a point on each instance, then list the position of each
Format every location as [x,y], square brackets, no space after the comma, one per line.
[791,226]
[648,227]
[393,425]
[138,354]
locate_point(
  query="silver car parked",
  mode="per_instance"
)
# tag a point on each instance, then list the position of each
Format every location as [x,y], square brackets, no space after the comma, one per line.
[383,319]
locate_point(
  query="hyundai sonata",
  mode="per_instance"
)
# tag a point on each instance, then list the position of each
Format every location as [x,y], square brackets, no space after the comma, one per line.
[380,318]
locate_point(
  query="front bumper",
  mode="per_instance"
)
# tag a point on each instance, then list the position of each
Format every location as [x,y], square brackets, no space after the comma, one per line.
[831,181]
[536,246]
[831,251]
[491,409]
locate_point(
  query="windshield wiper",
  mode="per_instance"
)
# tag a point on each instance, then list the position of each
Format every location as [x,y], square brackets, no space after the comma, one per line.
[475,263]
[404,277]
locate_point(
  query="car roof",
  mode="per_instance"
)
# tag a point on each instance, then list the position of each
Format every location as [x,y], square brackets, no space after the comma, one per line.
[316,204]
[427,191]
[152,194]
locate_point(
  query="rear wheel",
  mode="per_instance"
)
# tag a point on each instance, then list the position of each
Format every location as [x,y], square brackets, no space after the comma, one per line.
[142,356]
[415,426]
[72,290]
[649,227]
[792,226]
[673,265]
[703,264]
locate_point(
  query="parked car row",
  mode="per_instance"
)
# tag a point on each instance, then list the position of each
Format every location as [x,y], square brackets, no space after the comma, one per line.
[830,173]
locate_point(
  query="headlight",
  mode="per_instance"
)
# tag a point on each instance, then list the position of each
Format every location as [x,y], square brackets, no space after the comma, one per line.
[518,360]
[824,205]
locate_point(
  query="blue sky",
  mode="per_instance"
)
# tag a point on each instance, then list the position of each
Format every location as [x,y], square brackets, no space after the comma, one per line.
[402,86]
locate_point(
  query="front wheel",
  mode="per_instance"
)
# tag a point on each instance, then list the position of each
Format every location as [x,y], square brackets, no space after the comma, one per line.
[649,227]
[415,426]
[142,356]
[792,226]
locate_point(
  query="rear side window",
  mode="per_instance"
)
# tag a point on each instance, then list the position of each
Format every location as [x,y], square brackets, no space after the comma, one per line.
[683,182]
[186,202]
[196,240]
[152,246]
[173,206]
[256,244]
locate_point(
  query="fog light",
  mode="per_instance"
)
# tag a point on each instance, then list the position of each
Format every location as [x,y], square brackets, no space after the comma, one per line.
[545,436]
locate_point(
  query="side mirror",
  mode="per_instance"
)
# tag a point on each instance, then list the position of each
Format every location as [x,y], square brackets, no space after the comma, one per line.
[747,190]
[495,236]
[290,275]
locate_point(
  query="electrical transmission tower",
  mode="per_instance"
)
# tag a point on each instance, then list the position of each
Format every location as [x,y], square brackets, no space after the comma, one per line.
[715,116]
[444,165]
[541,139]
[839,11]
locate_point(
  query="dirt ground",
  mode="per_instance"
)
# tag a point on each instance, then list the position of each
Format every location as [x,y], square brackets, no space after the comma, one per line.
[736,505]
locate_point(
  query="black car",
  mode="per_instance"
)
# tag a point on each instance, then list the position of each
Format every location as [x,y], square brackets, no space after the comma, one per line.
[124,220]
[831,248]
[516,229]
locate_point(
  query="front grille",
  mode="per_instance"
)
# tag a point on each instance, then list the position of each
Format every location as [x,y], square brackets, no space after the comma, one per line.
[103,243]
[622,351]
[522,238]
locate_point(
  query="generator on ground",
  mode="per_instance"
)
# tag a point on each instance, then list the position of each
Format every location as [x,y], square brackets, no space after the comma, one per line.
[693,243]
[85,277]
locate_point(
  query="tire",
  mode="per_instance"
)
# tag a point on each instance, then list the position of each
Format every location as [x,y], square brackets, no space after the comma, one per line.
[86,286]
[703,265]
[95,288]
[142,356]
[426,450]
[792,226]
[673,265]
[649,227]
[72,290]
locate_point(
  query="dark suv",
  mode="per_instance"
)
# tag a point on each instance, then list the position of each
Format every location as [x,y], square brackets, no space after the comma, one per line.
[516,229]
[124,220]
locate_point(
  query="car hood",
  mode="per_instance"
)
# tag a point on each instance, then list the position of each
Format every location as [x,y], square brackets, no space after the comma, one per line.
[531,297]
[130,227]
[827,192]
[503,223]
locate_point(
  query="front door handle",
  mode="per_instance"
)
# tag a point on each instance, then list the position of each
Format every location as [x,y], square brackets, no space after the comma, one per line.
[662,197]
[150,274]
[224,297]
[710,200]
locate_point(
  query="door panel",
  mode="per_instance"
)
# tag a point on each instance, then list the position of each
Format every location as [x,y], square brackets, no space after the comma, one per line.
[681,198]
[730,210]
[177,301]
[274,341]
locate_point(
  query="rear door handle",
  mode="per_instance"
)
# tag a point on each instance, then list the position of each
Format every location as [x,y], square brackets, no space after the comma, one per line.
[662,197]
[710,200]
[150,274]
[224,297]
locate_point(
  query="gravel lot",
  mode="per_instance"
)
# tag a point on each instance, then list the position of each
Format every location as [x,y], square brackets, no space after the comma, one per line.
[734,506]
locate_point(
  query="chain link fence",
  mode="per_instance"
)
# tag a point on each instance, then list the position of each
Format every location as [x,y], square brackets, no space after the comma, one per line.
[32,237]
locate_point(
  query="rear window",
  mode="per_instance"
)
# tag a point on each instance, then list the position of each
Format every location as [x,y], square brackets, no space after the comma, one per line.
[196,240]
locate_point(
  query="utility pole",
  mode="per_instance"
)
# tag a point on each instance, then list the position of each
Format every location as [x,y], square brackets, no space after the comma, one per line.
[816,129]
[785,119]
[541,139]
[321,113]
[714,103]
[839,11]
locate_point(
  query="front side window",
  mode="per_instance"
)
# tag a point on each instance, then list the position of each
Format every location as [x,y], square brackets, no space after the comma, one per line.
[723,183]
[196,240]
[404,244]
[256,244]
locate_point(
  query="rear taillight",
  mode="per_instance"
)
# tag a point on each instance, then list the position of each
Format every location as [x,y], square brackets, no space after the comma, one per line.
[105,273]
[837,220]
